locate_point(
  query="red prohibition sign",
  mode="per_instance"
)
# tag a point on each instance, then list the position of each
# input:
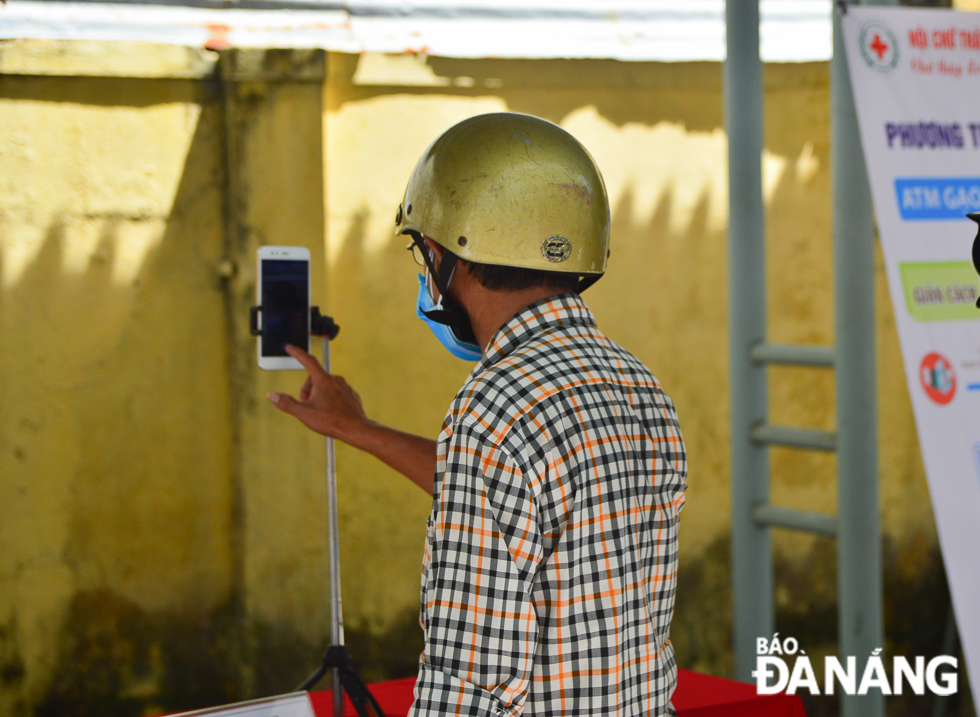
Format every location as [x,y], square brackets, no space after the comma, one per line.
[938,378]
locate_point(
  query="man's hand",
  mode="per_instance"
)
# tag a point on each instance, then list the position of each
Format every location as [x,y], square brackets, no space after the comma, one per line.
[326,404]
[329,406]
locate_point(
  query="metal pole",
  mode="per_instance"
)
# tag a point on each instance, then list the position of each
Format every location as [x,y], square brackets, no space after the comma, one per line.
[751,552]
[336,609]
[859,581]
[794,355]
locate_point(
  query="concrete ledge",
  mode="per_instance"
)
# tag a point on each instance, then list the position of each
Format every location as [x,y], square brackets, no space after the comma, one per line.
[147,60]
[83,58]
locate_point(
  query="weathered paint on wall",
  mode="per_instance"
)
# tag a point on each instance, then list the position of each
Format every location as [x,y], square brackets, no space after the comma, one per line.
[115,414]
[141,483]
[151,498]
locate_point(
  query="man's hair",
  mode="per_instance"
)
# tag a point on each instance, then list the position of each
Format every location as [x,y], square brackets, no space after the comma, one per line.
[511,278]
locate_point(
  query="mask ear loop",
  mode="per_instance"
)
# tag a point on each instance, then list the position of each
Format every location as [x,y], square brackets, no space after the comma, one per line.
[446,311]
[447,267]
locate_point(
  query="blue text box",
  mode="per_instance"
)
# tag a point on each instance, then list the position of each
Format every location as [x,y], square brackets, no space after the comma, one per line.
[937,198]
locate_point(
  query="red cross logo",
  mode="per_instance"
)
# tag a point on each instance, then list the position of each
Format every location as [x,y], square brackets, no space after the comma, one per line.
[879,47]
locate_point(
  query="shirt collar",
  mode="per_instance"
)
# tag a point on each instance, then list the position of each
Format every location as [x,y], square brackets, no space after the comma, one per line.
[560,310]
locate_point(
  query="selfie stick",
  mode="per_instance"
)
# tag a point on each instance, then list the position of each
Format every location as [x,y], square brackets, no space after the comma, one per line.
[336,658]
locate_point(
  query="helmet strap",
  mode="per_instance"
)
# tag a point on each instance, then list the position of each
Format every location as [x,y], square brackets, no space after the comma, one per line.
[586,281]
[449,312]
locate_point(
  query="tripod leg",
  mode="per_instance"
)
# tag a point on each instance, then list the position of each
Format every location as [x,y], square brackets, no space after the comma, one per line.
[337,660]
[360,695]
[308,683]
[338,694]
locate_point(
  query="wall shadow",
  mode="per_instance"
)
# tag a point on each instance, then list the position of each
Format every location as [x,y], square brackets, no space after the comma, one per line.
[117,419]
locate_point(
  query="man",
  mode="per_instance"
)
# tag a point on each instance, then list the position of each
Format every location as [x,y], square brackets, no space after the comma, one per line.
[557,480]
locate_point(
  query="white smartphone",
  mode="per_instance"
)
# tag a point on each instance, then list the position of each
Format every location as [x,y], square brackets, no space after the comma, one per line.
[283,289]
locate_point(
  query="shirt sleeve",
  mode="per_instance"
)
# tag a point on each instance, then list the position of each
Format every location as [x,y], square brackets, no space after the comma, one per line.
[481,628]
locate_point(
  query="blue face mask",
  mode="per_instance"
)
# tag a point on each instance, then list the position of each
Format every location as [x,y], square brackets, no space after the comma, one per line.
[459,349]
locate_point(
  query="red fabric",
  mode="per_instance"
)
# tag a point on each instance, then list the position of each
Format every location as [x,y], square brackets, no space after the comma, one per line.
[697,695]
[700,695]
[395,697]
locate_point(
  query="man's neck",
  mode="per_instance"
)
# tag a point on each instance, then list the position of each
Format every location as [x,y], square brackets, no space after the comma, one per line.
[489,310]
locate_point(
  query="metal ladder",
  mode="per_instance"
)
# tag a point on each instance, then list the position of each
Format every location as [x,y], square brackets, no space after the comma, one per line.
[856,525]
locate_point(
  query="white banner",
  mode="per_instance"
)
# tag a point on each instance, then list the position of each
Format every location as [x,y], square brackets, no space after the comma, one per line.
[916,78]
[296,704]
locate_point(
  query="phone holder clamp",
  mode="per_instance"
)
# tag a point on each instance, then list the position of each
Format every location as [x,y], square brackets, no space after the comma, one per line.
[320,325]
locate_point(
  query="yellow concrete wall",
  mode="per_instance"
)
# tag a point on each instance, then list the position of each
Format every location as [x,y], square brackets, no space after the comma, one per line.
[150,495]
[114,418]
[161,531]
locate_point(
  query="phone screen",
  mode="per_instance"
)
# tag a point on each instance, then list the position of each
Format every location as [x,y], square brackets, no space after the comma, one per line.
[285,305]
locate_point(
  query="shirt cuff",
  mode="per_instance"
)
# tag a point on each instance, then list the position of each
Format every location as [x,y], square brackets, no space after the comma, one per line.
[439,694]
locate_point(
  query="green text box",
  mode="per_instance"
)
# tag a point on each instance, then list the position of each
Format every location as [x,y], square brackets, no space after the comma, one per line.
[941,290]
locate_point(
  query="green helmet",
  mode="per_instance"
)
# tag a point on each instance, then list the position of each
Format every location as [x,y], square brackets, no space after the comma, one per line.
[511,190]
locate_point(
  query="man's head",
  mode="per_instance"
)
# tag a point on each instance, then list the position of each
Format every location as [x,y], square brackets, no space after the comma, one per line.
[516,197]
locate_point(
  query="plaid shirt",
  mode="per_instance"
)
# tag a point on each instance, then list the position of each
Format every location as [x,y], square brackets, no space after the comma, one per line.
[551,556]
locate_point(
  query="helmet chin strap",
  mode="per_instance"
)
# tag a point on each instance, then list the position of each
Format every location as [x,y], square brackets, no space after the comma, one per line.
[449,312]
[586,281]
